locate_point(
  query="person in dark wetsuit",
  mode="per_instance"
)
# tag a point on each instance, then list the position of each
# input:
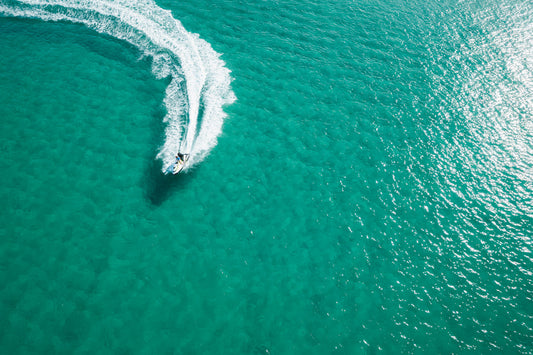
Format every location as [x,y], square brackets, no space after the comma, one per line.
[179,157]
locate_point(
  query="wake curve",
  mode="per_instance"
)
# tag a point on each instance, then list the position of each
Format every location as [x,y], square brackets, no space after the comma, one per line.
[198,75]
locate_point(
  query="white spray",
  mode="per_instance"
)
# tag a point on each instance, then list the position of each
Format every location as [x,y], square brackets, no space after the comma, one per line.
[198,75]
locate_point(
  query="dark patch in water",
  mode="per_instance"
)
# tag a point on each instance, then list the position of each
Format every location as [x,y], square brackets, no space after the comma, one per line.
[159,186]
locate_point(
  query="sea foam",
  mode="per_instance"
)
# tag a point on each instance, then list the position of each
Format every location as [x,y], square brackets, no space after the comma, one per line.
[199,85]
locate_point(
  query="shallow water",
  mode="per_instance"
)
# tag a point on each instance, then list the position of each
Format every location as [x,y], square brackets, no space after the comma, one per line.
[371,188]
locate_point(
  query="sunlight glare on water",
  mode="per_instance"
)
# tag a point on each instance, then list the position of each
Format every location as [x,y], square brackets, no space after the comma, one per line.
[371,189]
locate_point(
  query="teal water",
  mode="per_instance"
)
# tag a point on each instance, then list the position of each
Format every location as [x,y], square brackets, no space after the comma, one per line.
[370,190]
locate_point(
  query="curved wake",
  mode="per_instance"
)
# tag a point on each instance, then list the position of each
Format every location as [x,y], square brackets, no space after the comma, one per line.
[198,76]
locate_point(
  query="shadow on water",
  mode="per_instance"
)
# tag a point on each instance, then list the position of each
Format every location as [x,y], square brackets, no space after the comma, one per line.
[160,186]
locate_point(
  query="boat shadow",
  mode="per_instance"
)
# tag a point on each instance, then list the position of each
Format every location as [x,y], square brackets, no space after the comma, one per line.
[161,186]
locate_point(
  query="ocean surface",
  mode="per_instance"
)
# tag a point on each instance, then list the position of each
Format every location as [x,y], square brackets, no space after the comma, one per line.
[361,177]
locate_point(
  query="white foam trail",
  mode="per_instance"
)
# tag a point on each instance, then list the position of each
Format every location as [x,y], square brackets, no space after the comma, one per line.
[198,75]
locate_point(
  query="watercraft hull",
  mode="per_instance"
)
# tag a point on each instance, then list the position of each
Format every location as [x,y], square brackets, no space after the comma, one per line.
[179,165]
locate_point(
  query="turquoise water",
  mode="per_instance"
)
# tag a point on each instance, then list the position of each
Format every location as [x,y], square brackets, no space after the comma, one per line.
[368,189]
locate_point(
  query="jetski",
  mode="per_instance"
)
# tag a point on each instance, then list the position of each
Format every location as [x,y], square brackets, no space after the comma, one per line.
[179,164]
